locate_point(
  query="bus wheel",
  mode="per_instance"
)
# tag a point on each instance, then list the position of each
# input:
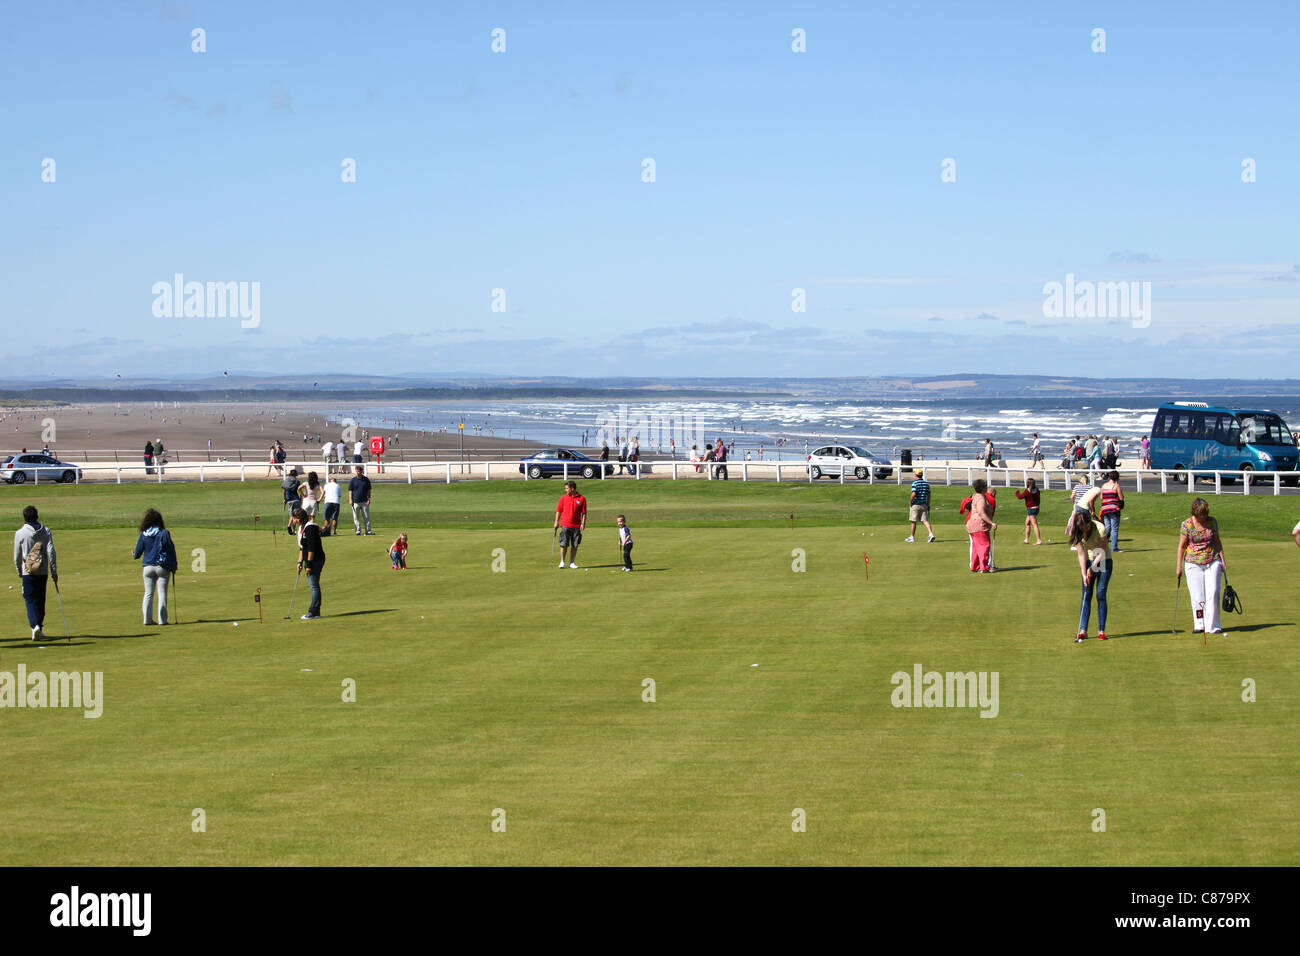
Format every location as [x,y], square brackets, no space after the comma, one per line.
[1180,475]
[1248,474]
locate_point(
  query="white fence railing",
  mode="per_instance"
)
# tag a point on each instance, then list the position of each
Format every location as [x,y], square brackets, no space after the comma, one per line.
[448,472]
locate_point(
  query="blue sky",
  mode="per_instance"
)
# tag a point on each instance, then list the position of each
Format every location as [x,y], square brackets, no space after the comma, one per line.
[775,170]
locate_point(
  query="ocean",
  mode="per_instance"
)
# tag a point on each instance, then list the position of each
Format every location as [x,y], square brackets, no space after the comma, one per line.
[954,428]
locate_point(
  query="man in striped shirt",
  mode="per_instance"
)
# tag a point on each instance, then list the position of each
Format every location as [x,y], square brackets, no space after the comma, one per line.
[919,505]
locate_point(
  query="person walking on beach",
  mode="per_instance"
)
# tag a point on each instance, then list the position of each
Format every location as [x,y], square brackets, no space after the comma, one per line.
[634,455]
[37,565]
[918,504]
[270,461]
[1088,538]
[1200,555]
[979,525]
[1035,453]
[570,521]
[625,542]
[1146,452]
[1112,503]
[311,558]
[359,499]
[988,452]
[157,554]
[1032,499]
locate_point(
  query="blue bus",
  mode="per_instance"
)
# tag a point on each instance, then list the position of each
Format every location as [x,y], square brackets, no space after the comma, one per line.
[1195,435]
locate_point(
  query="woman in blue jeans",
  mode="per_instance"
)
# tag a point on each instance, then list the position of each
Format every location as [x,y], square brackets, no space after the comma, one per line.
[157,554]
[1112,503]
[1088,536]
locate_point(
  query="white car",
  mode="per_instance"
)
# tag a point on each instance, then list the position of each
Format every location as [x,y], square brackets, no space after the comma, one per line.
[847,460]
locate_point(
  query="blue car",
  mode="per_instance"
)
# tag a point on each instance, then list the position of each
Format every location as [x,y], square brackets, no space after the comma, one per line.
[553,462]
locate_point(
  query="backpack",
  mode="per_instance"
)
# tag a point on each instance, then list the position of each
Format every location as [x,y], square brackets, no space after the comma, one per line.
[35,559]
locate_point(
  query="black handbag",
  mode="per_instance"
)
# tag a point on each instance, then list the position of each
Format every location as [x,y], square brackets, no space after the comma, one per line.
[1231,599]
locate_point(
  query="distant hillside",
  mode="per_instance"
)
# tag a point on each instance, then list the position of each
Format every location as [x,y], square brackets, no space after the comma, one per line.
[245,387]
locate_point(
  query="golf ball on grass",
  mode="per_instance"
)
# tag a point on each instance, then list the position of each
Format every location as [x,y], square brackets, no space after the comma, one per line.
[236,624]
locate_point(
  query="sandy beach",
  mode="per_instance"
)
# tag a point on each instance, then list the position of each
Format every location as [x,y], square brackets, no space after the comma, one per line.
[234,432]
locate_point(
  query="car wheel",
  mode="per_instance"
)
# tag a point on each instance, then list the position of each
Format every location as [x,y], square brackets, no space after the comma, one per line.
[68,477]
[588,472]
[815,472]
[19,478]
[534,471]
[860,473]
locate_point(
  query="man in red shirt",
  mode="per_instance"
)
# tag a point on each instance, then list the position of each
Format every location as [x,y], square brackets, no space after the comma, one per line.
[571,520]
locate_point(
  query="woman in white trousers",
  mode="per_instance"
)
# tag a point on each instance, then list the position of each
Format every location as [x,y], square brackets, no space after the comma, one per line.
[1200,555]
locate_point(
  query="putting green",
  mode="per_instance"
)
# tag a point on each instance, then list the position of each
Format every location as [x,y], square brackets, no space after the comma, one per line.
[478,690]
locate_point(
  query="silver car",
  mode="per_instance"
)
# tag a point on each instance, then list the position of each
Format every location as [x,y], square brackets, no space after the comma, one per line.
[37,467]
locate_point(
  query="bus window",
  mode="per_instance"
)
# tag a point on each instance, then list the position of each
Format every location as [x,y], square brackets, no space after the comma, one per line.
[1232,431]
[1160,425]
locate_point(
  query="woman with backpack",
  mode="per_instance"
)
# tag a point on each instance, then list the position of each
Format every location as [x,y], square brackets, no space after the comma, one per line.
[157,554]
[1112,503]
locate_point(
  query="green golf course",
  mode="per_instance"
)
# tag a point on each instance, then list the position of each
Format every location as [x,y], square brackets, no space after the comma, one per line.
[522,690]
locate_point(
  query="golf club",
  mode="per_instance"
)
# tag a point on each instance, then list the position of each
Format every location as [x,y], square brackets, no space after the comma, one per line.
[1178,581]
[67,633]
[294,594]
[555,533]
